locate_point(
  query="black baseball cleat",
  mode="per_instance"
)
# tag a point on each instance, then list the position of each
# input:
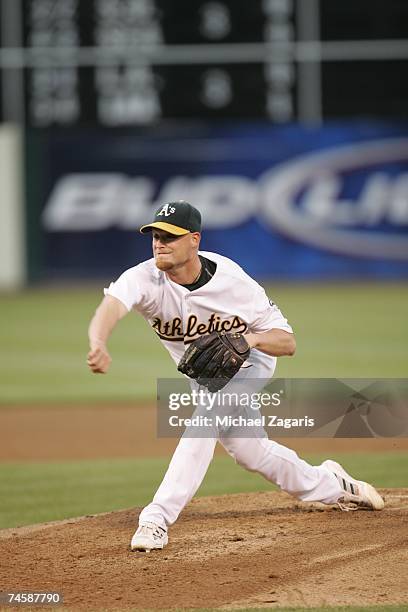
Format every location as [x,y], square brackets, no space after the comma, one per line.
[357,493]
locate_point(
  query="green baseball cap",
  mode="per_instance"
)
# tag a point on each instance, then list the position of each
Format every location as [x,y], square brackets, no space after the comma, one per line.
[176,218]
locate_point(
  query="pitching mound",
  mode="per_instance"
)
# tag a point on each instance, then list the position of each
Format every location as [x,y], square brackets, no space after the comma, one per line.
[258,550]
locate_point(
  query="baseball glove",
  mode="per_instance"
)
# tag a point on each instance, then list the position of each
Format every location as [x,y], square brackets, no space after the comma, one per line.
[214,359]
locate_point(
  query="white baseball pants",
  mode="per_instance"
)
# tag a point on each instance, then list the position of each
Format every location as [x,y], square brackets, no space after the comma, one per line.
[278,464]
[275,462]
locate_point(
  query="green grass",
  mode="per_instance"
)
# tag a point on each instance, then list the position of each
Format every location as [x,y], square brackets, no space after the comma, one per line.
[342,331]
[38,492]
[44,346]
[347,330]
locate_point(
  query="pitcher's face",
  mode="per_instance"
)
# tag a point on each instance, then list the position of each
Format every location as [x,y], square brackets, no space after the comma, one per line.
[172,252]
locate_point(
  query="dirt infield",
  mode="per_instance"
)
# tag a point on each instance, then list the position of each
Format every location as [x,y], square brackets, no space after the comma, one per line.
[258,550]
[47,433]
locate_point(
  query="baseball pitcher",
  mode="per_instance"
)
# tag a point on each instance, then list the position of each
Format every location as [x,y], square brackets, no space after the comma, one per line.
[219,327]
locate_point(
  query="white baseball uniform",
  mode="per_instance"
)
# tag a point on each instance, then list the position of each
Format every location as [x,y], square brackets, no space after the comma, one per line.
[230,300]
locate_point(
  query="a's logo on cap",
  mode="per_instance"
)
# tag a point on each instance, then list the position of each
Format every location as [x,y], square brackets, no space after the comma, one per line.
[167,210]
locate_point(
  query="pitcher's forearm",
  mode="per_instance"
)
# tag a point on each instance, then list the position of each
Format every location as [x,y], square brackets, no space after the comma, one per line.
[275,342]
[107,315]
[101,326]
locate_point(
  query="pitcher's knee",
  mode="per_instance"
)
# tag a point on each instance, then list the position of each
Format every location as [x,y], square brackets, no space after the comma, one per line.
[249,463]
[244,456]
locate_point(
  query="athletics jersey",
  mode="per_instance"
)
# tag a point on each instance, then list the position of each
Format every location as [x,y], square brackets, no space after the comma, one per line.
[231,301]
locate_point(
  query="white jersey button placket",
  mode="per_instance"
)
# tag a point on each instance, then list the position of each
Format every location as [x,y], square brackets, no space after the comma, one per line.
[187,303]
[186,307]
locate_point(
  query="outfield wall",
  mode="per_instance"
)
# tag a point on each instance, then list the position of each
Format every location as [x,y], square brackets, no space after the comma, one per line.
[12,233]
[284,202]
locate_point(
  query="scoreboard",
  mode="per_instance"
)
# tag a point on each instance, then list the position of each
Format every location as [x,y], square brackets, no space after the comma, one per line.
[134,62]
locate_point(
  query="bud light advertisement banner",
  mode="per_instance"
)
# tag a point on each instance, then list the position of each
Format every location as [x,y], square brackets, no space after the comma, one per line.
[283,202]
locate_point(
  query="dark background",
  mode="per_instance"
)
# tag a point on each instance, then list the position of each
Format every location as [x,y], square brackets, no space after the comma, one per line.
[358,76]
